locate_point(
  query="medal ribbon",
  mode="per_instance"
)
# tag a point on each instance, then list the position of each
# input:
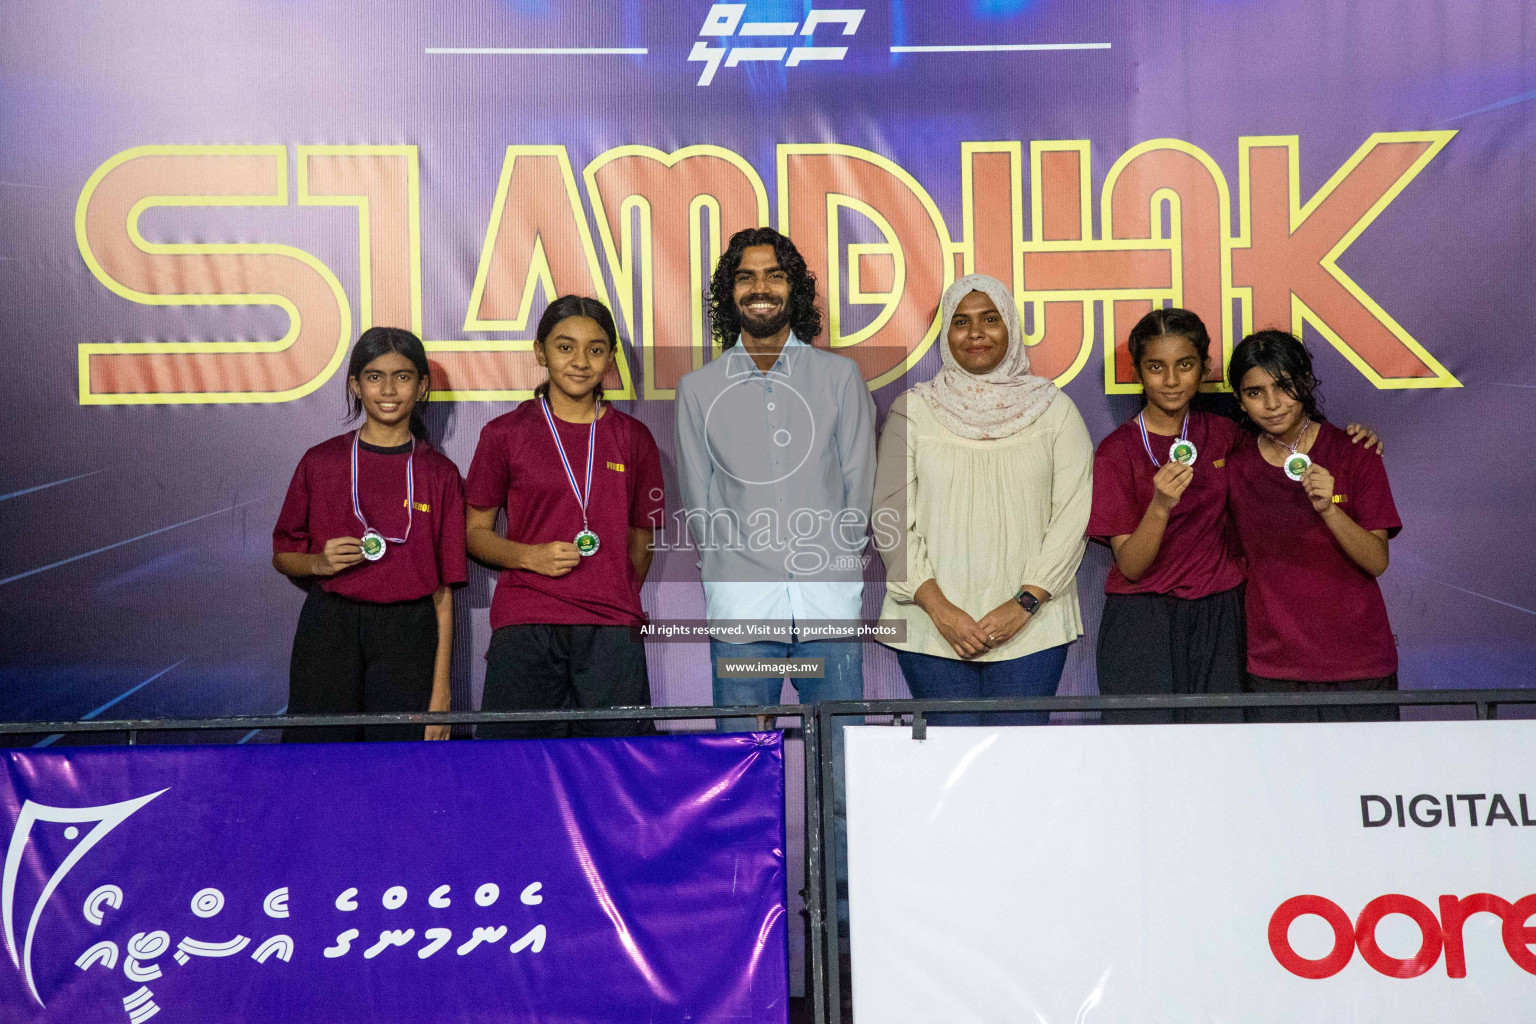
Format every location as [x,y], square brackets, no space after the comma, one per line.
[570,476]
[1147,444]
[1290,447]
[410,492]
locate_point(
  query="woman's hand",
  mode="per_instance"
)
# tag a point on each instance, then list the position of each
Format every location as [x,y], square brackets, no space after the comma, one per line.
[958,629]
[1318,483]
[1005,622]
[439,732]
[339,553]
[1169,484]
[554,559]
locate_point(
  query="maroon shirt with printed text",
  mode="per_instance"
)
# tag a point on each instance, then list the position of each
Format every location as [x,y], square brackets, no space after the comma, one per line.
[517,467]
[1194,559]
[1313,615]
[319,507]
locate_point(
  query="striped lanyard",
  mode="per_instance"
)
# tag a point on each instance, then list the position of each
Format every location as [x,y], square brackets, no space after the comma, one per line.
[410,492]
[581,496]
[1280,442]
[1147,444]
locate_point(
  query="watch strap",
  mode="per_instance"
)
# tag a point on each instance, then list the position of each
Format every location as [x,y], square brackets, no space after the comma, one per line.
[1029,602]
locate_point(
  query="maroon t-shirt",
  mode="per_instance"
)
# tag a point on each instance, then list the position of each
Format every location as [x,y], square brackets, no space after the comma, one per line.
[1194,559]
[517,468]
[1313,614]
[319,508]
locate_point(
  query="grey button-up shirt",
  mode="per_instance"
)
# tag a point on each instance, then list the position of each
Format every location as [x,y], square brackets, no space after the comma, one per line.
[777,473]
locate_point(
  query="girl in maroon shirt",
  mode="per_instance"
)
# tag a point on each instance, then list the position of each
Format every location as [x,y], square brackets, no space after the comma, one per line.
[373,525]
[1314,514]
[1173,610]
[582,488]
[1173,619]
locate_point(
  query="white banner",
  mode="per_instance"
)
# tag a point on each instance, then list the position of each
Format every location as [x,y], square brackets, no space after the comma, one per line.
[1259,874]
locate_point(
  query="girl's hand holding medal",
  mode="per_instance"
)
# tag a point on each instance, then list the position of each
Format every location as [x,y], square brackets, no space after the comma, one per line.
[1318,483]
[1170,483]
[339,553]
[554,559]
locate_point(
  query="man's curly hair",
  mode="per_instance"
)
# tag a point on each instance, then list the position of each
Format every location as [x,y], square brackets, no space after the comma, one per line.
[725,321]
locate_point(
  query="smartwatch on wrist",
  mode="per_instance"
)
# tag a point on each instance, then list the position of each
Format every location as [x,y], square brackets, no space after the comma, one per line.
[1029,602]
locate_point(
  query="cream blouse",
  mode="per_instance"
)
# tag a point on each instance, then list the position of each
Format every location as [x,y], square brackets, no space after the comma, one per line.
[983,518]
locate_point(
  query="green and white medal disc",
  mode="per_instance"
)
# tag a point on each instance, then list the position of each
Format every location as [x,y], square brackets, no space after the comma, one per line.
[373,545]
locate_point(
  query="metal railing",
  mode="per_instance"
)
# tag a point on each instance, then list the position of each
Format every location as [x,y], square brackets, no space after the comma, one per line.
[824,983]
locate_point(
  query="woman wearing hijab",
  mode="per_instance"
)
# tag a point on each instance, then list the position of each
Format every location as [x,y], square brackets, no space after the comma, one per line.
[982,492]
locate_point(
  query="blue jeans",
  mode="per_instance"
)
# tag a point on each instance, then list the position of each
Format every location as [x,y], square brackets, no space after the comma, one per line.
[844,675]
[1034,675]
[843,680]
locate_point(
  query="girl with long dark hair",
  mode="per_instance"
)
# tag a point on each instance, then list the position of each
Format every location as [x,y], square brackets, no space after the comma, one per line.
[582,488]
[1173,619]
[373,524]
[1315,515]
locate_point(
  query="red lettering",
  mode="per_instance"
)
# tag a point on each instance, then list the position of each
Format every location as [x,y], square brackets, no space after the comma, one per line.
[1453,915]
[665,259]
[1280,937]
[1519,935]
[381,182]
[1437,933]
[1429,927]
[537,241]
[814,180]
[1173,171]
[1289,258]
[196,274]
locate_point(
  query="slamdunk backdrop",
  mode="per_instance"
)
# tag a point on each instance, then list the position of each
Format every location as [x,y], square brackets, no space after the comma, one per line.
[202,205]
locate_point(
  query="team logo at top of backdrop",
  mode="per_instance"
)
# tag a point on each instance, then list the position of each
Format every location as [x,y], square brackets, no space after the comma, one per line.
[770,40]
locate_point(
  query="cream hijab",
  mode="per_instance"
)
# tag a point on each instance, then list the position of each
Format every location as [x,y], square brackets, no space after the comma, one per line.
[991,405]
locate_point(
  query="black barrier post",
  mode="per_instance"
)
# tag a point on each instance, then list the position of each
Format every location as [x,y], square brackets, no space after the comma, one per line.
[815,903]
[828,841]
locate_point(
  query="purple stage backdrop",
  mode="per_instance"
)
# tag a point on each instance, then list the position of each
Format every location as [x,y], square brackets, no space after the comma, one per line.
[205,203]
[592,880]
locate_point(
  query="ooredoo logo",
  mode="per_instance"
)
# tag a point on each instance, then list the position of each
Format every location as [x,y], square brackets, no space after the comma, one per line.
[1442,933]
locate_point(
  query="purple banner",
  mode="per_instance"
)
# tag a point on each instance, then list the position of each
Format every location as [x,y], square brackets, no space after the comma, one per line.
[573,880]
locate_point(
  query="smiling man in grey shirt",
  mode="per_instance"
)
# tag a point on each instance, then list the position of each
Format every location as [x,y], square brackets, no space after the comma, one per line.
[775,452]
[776,460]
